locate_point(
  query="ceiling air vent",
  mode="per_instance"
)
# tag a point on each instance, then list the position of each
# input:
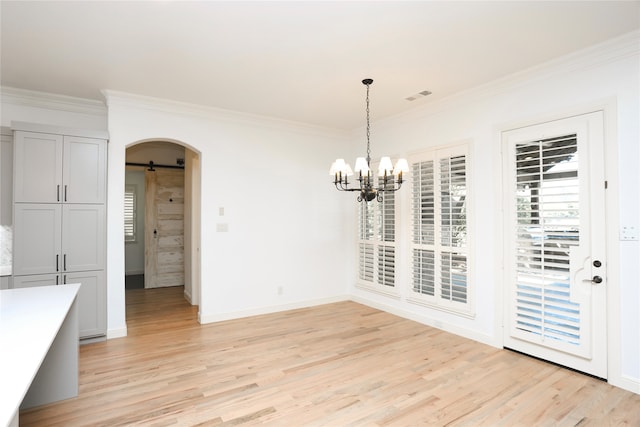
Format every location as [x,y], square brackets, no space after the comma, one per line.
[418,95]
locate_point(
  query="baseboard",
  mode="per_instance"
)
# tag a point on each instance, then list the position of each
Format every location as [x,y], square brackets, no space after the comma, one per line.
[187,296]
[116,333]
[626,383]
[220,317]
[425,320]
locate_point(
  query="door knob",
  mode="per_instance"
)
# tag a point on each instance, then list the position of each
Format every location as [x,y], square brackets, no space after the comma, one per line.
[596,279]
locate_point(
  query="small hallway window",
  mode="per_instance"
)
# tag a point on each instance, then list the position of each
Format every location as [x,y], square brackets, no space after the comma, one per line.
[130,213]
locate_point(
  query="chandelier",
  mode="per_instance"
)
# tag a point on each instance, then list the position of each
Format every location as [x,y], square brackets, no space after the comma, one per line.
[390,178]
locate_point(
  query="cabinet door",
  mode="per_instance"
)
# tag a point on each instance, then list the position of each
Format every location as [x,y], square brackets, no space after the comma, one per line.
[82,237]
[92,302]
[37,238]
[35,281]
[37,169]
[84,171]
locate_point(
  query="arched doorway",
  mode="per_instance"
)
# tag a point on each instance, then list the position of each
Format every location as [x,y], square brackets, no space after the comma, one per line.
[162,216]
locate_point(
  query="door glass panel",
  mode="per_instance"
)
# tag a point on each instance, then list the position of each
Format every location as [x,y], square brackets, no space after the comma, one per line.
[547,206]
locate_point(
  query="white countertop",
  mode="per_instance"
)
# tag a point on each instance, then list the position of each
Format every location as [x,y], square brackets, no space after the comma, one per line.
[29,322]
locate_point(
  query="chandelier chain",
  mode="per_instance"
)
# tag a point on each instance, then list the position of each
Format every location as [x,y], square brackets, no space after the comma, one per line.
[368,130]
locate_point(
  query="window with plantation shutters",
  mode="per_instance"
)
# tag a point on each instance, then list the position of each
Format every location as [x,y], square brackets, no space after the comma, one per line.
[439,229]
[130,213]
[376,242]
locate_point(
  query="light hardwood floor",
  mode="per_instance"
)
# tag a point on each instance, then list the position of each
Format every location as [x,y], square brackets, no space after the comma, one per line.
[340,364]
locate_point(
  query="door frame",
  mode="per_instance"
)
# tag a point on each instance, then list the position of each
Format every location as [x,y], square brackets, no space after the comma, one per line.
[192,237]
[612,195]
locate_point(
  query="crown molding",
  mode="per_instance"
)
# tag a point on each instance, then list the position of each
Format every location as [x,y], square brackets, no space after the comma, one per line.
[610,51]
[51,101]
[141,102]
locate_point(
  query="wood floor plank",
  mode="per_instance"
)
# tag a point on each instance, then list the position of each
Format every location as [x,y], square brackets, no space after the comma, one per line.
[341,364]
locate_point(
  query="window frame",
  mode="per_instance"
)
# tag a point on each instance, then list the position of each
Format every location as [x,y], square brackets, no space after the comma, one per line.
[435,301]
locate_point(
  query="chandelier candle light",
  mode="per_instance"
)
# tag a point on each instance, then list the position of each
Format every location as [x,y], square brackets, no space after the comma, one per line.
[390,177]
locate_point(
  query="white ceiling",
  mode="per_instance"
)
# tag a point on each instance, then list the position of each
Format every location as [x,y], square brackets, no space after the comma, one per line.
[300,61]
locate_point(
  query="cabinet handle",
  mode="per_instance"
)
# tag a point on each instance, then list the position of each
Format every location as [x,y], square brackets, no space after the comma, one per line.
[65,193]
[64,262]
[58,192]
[57,279]
[57,263]
[65,280]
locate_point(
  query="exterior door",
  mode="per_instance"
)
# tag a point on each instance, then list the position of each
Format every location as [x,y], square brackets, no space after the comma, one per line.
[164,228]
[555,255]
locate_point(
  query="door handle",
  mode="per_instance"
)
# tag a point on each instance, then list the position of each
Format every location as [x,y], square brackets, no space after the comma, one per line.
[155,233]
[596,279]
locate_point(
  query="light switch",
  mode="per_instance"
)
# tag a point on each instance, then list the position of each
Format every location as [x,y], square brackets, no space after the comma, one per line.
[629,232]
[221,211]
[222,227]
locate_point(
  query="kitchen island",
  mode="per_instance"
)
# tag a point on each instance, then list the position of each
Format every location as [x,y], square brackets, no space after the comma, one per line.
[39,338]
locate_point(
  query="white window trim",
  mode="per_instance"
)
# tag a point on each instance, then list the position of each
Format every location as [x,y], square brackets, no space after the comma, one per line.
[435,302]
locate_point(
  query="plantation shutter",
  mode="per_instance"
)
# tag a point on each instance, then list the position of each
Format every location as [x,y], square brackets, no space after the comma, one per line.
[423,227]
[547,206]
[453,226]
[376,246]
[386,237]
[439,229]
[130,213]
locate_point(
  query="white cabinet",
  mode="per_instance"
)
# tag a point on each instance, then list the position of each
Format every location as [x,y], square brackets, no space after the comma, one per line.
[91,309]
[37,238]
[52,238]
[59,169]
[37,170]
[59,216]
[34,281]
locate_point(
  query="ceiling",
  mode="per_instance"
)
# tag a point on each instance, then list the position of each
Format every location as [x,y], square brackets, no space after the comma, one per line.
[299,61]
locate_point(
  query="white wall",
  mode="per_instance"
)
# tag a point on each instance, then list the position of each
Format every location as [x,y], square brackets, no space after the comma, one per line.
[286,224]
[134,251]
[606,75]
[289,228]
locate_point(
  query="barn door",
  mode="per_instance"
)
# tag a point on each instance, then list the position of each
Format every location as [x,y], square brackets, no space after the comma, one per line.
[555,258]
[164,228]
